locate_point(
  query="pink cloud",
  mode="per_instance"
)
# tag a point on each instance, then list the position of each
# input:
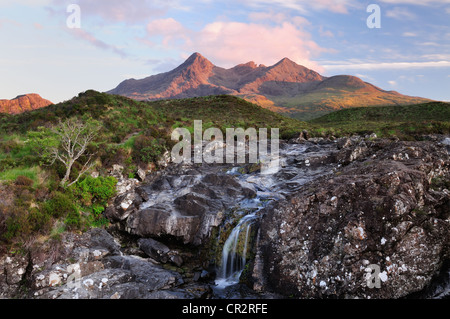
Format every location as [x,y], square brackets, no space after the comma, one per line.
[230,43]
[169,28]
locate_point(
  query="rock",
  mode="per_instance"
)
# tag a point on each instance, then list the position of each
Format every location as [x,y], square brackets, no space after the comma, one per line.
[303,136]
[93,268]
[176,259]
[381,213]
[343,142]
[117,171]
[124,205]
[13,269]
[95,174]
[141,174]
[126,185]
[100,238]
[446,141]
[154,249]
[165,160]
[145,272]
[183,204]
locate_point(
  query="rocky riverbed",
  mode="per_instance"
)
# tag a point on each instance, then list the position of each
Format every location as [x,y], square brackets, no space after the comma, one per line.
[321,225]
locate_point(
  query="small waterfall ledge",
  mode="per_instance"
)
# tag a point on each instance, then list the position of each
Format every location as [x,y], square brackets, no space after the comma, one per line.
[235,252]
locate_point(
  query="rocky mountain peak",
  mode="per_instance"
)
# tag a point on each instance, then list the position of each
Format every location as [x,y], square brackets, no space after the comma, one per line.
[23,103]
[197,61]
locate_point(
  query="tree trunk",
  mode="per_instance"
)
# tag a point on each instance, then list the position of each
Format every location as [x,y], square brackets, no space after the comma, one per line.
[67,176]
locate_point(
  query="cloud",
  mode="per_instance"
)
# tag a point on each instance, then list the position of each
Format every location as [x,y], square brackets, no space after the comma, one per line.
[417,2]
[169,29]
[387,65]
[429,44]
[86,36]
[130,12]
[304,6]
[437,56]
[38,26]
[325,33]
[409,34]
[31,3]
[400,13]
[392,83]
[9,21]
[230,43]
[277,17]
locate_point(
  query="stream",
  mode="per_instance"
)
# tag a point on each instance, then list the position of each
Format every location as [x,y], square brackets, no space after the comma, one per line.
[299,164]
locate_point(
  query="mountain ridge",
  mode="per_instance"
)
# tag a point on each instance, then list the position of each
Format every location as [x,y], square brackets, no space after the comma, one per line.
[285,87]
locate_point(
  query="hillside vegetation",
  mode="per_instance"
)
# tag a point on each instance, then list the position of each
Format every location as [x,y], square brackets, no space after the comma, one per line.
[35,206]
[403,121]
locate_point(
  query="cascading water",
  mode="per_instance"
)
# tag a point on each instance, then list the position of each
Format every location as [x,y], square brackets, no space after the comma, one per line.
[235,251]
[274,185]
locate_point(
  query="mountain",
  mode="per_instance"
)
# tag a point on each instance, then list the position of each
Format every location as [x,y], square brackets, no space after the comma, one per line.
[284,87]
[23,103]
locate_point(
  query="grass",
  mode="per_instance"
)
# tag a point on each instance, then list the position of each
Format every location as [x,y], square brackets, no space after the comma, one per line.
[30,172]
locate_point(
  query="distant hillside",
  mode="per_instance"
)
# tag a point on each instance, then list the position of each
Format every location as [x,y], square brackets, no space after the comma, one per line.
[284,87]
[401,121]
[121,116]
[23,103]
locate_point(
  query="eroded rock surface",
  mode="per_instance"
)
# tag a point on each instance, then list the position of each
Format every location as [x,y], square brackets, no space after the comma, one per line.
[385,209]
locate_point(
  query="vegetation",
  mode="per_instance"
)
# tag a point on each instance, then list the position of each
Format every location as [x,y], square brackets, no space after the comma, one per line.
[405,122]
[42,196]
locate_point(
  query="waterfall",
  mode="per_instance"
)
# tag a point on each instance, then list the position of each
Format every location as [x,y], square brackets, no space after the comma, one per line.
[235,251]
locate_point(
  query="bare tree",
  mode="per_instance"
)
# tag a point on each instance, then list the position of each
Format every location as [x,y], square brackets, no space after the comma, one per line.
[74,137]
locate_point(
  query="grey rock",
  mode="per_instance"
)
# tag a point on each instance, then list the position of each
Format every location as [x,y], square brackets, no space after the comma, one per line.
[154,249]
[320,242]
[145,272]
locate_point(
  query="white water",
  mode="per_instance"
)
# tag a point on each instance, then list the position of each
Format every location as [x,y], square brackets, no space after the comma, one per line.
[233,262]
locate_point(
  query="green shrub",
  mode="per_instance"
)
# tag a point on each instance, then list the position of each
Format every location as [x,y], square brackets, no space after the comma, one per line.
[147,149]
[9,146]
[39,221]
[73,220]
[112,155]
[93,194]
[92,190]
[59,206]
[17,224]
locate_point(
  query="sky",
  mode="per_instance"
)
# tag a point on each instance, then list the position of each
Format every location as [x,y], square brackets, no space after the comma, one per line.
[51,48]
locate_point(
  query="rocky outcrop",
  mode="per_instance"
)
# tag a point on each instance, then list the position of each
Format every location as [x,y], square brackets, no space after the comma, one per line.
[90,266]
[23,103]
[183,203]
[377,228]
[355,217]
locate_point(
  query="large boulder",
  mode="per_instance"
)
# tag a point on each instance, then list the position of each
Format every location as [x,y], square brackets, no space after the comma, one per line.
[378,228]
[183,203]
